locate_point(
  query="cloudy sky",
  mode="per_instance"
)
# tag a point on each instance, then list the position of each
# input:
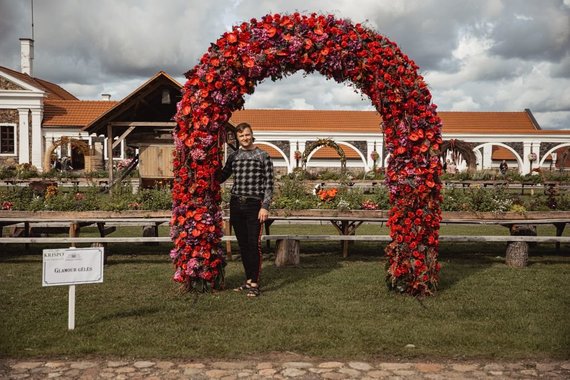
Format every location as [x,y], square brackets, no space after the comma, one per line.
[476,55]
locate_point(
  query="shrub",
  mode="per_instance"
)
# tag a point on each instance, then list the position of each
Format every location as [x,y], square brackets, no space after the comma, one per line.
[155,199]
[292,194]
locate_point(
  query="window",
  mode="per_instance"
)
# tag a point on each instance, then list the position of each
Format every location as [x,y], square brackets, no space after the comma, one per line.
[7,139]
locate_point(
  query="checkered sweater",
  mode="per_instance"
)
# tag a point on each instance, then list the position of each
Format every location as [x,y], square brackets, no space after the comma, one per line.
[253,174]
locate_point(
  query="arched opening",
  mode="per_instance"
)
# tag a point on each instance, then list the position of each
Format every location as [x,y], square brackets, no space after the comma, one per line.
[354,159]
[76,156]
[279,45]
[504,153]
[559,157]
[459,153]
[311,148]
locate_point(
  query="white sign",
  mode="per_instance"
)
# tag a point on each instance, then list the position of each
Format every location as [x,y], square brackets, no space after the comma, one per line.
[72,266]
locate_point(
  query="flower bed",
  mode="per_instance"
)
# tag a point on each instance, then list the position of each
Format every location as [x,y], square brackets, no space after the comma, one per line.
[289,195]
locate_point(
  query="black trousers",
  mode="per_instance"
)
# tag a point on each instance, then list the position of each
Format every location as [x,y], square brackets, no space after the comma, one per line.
[243,219]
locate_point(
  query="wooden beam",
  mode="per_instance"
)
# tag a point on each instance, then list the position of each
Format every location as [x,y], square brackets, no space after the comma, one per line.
[385,238]
[144,124]
[110,154]
[122,137]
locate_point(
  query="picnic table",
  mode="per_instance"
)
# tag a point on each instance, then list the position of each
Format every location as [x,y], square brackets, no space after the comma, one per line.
[345,222]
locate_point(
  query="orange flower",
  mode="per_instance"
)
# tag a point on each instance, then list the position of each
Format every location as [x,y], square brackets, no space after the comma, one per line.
[231,38]
[271,31]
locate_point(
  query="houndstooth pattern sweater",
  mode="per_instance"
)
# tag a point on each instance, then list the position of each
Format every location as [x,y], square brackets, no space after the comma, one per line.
[253,174]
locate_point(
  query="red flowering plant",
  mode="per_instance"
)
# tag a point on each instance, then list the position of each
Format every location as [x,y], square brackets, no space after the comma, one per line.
[369,205]
[276,46]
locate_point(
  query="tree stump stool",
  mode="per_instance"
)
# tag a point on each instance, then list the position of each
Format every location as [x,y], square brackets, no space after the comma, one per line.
[517,254]
[150,230]
[287,252]
[517,251]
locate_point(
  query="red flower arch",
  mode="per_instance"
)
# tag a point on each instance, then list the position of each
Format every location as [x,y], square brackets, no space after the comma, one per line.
[277,46]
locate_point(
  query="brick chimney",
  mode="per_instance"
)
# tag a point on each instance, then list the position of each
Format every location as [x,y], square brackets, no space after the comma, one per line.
[27,56]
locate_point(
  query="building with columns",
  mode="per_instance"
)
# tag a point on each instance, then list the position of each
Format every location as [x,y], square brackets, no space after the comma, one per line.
[40,121]
[494,136]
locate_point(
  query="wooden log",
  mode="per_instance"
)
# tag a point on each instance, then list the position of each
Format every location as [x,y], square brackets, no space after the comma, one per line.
[74,229]
[150,231]
[524,230]
[517,254]
[287,252]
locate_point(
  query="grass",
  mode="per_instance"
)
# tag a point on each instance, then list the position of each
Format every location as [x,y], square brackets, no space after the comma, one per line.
[328,307]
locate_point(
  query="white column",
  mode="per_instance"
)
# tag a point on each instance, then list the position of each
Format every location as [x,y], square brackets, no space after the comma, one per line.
[487,157]
[23,137]
[527,149]
[37,141]
[292,149]
[302,144]
[369,150]
[536,150]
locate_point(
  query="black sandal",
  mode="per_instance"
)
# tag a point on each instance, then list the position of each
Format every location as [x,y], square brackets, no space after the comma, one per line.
[253,291]
[241,288]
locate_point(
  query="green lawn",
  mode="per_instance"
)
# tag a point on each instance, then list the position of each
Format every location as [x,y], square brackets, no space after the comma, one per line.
[328,307]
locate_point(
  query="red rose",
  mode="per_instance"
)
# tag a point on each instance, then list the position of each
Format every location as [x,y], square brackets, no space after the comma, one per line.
[231,38]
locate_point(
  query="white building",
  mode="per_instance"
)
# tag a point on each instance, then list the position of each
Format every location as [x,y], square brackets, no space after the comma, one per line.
[40,121]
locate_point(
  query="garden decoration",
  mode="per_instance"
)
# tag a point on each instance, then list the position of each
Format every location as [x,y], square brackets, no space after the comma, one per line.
[274,47]
[460,149]
[81,145]
[320,143]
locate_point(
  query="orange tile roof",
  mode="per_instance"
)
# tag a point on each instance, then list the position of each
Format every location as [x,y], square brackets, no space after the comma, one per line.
[74,113]
[273,120]
[501,153]
[487,122]
[53,91]
[305,120]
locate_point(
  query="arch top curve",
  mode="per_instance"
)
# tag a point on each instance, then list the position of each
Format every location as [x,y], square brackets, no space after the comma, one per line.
[552,150]
[313,146]
[273,47]
[79,144]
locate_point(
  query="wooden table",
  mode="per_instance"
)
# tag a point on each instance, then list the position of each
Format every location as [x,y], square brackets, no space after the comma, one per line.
[345,222]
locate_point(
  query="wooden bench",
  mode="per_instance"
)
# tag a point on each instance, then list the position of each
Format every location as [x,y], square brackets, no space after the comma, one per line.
[288,246]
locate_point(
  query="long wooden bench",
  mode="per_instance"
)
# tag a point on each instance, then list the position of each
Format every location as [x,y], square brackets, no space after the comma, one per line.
[288,246]
[346,224]
[166,239]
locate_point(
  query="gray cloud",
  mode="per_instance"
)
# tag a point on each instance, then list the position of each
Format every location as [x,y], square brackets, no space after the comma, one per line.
[537,30]
[486,55]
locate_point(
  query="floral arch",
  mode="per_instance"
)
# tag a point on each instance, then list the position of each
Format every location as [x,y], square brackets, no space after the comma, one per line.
[315,145]
[460,148]
[79,144]
[276,46]
[346,145]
